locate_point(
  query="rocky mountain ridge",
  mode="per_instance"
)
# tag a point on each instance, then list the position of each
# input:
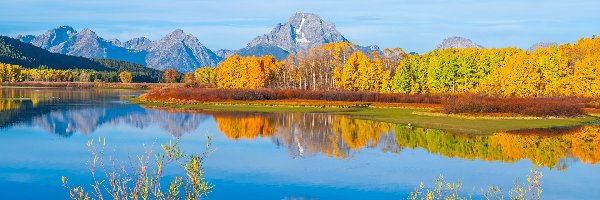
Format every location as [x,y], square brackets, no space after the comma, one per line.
[184,51]
[301,32]
[180,48]
[176,50]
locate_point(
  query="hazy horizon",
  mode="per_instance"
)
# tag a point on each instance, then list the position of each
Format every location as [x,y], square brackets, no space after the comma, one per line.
[412,25]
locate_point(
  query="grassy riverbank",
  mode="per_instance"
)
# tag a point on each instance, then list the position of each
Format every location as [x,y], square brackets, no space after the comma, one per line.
[421,115]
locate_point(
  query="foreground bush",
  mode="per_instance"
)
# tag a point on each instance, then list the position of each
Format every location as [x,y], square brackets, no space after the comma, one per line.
[529,190]
[195,94]
[141,178]
[542,107]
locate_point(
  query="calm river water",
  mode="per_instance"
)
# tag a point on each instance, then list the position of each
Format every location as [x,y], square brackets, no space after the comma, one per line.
[43,136]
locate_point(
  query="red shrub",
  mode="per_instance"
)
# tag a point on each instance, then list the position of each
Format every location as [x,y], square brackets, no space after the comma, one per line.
[206,94]
[543,107]
[548,106]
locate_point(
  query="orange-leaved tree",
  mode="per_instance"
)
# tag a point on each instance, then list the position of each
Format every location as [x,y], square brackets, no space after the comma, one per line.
[171,75]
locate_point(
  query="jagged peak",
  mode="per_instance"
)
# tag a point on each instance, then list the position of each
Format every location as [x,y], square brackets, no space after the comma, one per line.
[139,39]
[304,15]
[65,27]
[301,32]
[177,32]
[297,19]
[87,31]
[138,44]
[115,41]
[67,30]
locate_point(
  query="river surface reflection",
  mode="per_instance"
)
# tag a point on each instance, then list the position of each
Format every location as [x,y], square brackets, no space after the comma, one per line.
[280,155]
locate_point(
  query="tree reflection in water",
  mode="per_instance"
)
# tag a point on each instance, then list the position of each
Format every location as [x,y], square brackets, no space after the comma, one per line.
[65,112]
[305,134]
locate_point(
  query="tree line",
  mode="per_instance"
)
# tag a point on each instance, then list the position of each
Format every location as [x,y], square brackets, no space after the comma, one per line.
[565,70]
[16,73]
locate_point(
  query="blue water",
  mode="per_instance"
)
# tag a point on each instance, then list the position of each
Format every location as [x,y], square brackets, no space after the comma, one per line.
[40,142]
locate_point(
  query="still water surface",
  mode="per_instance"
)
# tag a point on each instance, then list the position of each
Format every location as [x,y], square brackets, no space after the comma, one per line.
[43,135]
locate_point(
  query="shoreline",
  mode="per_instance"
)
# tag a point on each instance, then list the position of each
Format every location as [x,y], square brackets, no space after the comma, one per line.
[84,85]
[417,115]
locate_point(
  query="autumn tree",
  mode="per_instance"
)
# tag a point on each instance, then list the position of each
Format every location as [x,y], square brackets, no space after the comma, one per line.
[360,73]
[188,79]
[246,72]
[10,73]
[125,77]
[171,75]
[411,76]
[582,61]
[349,74]
[554,71]
[206,75]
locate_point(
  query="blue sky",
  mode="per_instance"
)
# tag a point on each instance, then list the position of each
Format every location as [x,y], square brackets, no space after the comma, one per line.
[415,25]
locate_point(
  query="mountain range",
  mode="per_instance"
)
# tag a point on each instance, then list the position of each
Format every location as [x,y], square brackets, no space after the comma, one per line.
[27,55]
[184,51]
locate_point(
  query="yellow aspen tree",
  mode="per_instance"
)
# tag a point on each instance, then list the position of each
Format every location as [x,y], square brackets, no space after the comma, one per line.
[126,77]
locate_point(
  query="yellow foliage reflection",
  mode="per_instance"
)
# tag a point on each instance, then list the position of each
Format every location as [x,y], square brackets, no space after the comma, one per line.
[304,134]
[247,127]
[580,143]
[543,147]
[358,134]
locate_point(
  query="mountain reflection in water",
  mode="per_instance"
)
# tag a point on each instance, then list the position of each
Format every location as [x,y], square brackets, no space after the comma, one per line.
[83,111]
[305,134]
[65,113]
